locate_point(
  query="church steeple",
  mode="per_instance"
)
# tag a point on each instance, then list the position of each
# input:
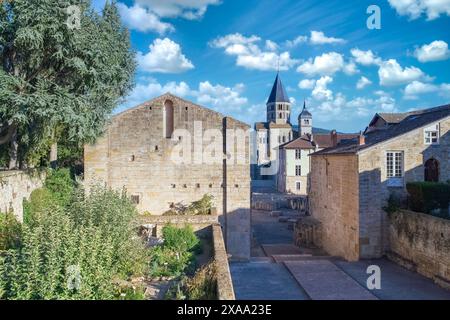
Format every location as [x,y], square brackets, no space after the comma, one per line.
[305,121]
[278,104]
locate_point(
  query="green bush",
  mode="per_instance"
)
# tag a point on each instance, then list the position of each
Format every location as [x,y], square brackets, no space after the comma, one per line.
[10,231]
[91,242]
[393,204]
[201,286]
[428,196]
[176,256]
[60,183]
[199,207]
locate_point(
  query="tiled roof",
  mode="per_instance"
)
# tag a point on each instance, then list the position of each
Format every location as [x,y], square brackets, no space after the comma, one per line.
[320,140]
[278,94]
[302,142]
[414,120]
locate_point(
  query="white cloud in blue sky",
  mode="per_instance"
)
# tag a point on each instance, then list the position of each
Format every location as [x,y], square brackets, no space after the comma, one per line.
[225,54]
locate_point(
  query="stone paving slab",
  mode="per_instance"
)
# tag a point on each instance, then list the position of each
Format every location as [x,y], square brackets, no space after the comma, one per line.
[264,281]
[397,283]
[280,258]
[277,249]
[322,280]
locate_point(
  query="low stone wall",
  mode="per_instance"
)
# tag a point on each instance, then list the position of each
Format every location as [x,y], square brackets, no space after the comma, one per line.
[421,243]
[225,289]
[198,223]
[208,226]
[15,186]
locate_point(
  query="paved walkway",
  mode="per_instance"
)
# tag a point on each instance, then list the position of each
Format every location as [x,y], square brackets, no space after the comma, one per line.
[300,275]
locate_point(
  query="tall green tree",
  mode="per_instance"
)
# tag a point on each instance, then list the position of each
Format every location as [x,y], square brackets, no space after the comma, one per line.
[64,69]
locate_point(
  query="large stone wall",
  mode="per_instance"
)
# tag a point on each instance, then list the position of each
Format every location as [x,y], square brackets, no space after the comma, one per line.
[422,243]
[15,186]
[135,154]
[373,226]
[334,203]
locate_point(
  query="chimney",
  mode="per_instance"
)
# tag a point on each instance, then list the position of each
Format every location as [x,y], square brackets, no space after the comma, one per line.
[361,139]
[333,138]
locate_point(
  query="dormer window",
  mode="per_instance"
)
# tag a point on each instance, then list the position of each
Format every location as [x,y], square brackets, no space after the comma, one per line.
[306,121]
[431,135]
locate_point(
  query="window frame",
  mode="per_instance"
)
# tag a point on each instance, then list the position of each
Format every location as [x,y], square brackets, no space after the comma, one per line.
[298,154]
[298,170]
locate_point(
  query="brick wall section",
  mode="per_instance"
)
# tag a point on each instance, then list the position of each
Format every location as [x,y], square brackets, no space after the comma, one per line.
[135,154]
[16,186]
[422,243]
[374,239]
[334,202]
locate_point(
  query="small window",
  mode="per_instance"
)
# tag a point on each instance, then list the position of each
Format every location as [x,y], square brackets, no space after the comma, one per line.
[298,170]
[156,148]
[135,199]
[298,154]
[394,164]
[298,185]
[431,137]
[284,139]
[197,185]
[132,158]
[306,121]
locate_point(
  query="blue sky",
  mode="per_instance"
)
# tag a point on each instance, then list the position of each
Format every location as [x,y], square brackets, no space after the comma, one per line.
[223,54]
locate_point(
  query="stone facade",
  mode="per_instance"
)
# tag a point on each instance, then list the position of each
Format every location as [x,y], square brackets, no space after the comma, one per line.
[334,203]
[15,186]
[422,243]
[373,181]
[349,190]
[169,151]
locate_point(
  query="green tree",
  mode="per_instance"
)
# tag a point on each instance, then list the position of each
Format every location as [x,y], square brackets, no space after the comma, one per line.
[64,69]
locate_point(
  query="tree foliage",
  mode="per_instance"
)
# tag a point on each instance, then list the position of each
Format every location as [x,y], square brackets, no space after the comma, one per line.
[59,83]
[75,250]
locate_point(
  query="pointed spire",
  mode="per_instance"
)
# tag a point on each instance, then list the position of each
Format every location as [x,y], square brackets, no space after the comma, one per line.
[278,94]
[305,113]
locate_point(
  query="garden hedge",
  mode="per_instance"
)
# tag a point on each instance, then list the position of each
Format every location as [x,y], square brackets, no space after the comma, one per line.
[427,196]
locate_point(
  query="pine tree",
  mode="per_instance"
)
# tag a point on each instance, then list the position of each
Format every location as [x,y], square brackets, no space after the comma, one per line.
[60,80]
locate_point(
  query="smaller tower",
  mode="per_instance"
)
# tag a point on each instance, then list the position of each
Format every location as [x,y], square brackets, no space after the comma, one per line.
[304,121]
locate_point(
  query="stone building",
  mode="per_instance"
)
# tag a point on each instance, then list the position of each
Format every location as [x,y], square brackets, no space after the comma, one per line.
[295,163]
[351,182]
[168,151]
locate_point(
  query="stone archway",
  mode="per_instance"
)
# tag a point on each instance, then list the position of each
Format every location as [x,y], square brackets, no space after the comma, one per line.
[431,170]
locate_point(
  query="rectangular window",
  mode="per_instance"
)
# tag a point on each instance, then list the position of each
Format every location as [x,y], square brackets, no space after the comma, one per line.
[298,185]
[431,137]
[394,164]
[135,199]
[284,139]
[298,154]
[298,170]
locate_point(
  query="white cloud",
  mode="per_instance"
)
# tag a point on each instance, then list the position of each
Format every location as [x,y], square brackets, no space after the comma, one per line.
[326,64]
[165,56]
[249,54]
[296,41]
[350,68]
[363,82]
[187,9]
[271,46]
[391,73]
[318,37]
[435,51]
[141,19]
[145,15]
[220,97]
[415,8]
[307,84]
[320,91]
[365,58]
[416,88]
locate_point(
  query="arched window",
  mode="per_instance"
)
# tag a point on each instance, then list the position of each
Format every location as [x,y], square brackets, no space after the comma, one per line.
[431,170]
[168,119]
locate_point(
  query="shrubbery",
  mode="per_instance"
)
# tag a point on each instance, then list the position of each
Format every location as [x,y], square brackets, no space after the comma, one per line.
[176,256]
[428,196]
[199,207]
[73,246]
[10,231]
[201,286]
